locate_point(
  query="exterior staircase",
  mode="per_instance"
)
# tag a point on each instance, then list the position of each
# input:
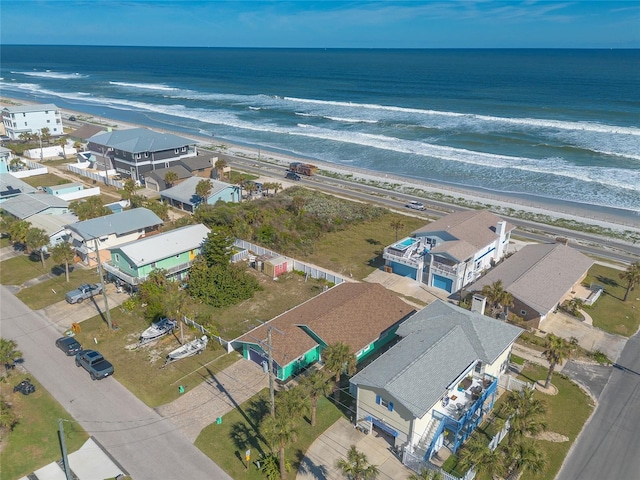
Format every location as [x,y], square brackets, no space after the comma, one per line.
[425,442]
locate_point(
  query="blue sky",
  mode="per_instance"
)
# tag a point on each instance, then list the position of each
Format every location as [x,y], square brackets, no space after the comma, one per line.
[324,24]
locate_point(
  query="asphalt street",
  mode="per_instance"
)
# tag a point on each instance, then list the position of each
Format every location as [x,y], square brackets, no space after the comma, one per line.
[141,441]
[608,447]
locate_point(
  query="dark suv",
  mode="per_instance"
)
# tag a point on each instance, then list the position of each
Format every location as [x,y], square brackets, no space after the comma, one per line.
[292,176]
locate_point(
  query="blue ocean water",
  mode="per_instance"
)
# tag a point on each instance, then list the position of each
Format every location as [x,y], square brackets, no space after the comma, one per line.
[557,124]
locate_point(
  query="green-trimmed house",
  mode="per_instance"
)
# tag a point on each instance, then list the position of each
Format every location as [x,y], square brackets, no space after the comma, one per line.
[363,316]
[173,251]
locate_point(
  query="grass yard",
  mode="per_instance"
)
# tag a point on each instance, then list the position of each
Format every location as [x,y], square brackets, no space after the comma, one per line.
[140,369]
[227,443]
[357,251]
[54,290]
[17,270]
[5,242]
[33,442]
[609,312]
[46,180]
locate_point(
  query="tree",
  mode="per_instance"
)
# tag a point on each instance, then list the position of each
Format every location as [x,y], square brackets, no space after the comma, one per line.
[278,431]
[556,351]
[8,419]
[18,231]
[9,353]
[524,455]
[152,292]
[632,276]
[217,248]
[356,466]
[497,295]
[16,164]
[158,207]
[396,225]
[575,305]
[315,385]
[203,189]
[62,141]
[525,413]
[45,134]
[37,239]
[63,253]
[477,454]
[291,403]
[170,177]
[276,186]
[129,189]
[220,165]
[92,207]
[77,145]
[339,359]
[24,137]
[425,474]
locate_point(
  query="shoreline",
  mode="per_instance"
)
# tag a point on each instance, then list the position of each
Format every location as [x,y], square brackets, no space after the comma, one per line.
[504,201]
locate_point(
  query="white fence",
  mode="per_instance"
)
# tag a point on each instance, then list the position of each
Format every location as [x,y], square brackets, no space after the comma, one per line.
[87,192]
[310,270]
[510,383]
[50,152]
[31,172]
[98,177]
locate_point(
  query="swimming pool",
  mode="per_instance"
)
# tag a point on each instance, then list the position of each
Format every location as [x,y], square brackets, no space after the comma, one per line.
[406,243]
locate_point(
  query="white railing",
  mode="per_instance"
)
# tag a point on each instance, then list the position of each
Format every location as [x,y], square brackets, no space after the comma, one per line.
[411,262]
[511,383]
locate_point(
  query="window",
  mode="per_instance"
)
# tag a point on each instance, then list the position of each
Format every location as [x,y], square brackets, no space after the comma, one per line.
[116,257]
[137,156]
[478,368]
[523,312]
[177,150]
[48,121]
[478,264]
[146,154]
[25,124]
[381,401]
[153,264]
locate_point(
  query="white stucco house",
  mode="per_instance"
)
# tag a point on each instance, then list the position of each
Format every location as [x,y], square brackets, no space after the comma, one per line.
[31,119]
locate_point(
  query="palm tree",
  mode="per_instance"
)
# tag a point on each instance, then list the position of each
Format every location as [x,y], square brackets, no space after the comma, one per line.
[62,141]
[25,137]
[425,474]
[220,166]
[524,455]
[575,305]
[276,186]
[77,145]
[38,239]
[63,253]
[525,413]
[9,353]
[8,419]
[338,359]
[18,231]
[632,276]
[203,189]
[45,134]
[356,466]
[278,430]
[396,225]
[170,177]
[315,385]
[556,351]
[497,295]
[477,454]
[129,189]
[15,164]
[291,403]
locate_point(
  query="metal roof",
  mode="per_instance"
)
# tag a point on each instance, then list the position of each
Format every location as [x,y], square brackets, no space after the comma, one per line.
[438,344]
[26,204]
[539,275]
[157,247]
[52,223]
[185,192]
[116,223]
[140,140]
[10,185]
[31,108]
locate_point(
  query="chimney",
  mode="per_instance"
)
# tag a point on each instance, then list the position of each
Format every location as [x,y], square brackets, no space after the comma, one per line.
[501,227]
[478,303]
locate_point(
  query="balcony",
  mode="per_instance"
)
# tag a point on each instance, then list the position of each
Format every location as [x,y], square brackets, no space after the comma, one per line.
[438,267]
[133,281]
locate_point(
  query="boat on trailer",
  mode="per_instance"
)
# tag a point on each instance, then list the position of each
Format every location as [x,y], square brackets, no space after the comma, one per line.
[157,329]
[194,347]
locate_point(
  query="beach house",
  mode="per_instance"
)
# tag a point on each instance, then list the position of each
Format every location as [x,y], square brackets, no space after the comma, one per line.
[540,278]
[173,252]
[25,205]
[183,195]
[363,316]
[136,152]
[31,119]
[11,186]
[435,386]
[451,252]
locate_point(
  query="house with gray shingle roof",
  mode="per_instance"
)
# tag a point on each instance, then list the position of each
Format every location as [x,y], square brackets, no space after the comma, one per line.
[135,152]
[434,387]
[110,231]
[25,205]
[155,180]
[451,252]
[363,316]
[540,278]
[183,195]
[11,186]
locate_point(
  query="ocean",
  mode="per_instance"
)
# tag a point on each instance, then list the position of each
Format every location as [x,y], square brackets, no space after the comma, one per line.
[558,125]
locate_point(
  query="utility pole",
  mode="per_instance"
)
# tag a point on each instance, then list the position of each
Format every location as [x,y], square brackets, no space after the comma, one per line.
[63,447]
[269,348]
[104,290]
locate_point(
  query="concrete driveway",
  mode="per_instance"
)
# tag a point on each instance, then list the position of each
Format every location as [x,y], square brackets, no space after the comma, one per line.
[320,459]
[589,337]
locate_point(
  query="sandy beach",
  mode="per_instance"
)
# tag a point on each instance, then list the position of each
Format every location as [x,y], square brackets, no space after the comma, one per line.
[501,203]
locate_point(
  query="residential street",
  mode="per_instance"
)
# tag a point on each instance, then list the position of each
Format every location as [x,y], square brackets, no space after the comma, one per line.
[145,444]
[608,447]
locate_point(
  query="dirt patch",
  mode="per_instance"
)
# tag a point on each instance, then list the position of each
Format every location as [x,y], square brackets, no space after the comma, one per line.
[550,437]
[552,390]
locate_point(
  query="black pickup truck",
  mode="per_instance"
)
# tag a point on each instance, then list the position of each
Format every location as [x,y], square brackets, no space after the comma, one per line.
[94,363]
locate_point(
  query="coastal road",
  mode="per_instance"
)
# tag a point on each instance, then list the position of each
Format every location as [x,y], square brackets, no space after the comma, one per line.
[146,445]
[608,447]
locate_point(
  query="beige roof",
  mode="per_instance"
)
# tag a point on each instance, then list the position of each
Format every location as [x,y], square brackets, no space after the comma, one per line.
[353,313]
[477,228]
[539,275]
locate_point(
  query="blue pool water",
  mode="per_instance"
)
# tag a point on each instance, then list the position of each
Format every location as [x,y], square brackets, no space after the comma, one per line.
[406,243]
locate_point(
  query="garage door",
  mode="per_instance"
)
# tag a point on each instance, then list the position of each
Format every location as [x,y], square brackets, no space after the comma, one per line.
[443,283]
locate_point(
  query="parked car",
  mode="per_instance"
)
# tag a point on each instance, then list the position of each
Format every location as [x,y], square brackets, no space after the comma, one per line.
[69,345]
[292,176]
[83,292]
[72,118]
[415,205]
[94,363]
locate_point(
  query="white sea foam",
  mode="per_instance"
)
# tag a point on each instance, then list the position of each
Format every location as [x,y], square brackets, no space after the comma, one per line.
[50,74]
[146,86]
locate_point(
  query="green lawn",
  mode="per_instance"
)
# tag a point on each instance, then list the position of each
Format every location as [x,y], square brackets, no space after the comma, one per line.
[357,251]
[5,242]
[54,290]
[33,442]
[140,370]
[227,443]
[46,180]
[17,270]
[609,312]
